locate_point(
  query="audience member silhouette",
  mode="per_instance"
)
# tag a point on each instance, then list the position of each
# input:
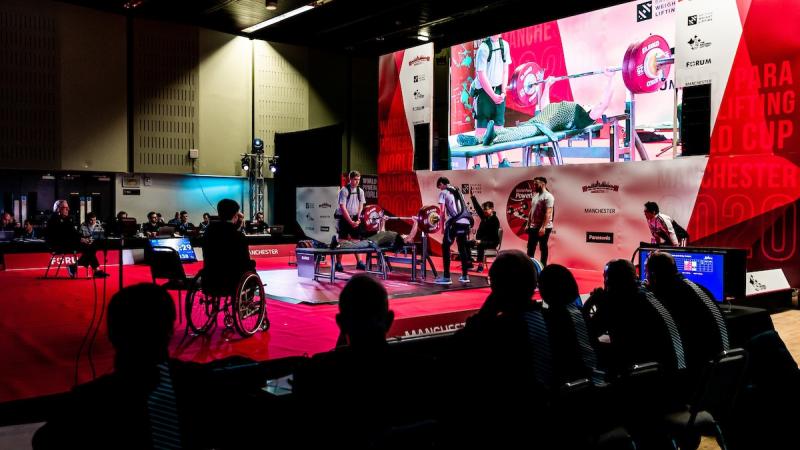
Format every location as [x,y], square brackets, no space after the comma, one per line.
[574,357]
[363,390]
[502,365]
[702,328]
[639,328]
[149,400]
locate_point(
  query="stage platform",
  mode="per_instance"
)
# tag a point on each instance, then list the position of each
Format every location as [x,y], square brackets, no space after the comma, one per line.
[42,322]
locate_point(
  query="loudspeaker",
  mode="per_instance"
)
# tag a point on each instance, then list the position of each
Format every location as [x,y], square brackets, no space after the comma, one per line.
[695,123]
[422,146]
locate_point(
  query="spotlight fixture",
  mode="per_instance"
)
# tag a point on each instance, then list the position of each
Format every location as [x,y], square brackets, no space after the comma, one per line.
[273,164]
[245,163]
[272,5]
[258,146]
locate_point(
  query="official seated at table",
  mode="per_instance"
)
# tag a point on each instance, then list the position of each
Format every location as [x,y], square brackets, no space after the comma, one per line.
[204,224]
[150,228]
[63,237]
[184,227]
[175,221]
[91,229]
[8,223]
[257,225]
[28,232]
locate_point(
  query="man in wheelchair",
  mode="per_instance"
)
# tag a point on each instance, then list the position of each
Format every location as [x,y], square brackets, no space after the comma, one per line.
[225,253]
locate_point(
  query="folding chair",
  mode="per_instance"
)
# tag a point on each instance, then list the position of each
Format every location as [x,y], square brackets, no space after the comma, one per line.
[165,263]
[714,398]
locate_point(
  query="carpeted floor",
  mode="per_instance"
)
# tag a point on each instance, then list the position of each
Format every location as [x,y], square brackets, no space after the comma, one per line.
[43,322]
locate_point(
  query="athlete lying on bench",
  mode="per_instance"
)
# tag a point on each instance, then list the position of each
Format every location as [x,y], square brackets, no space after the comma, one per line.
[383,239]
[557,116]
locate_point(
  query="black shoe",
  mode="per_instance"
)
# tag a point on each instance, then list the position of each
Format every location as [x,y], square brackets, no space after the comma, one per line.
[72,270]
[100,274]
[480,268]
[338,267]
[361,266]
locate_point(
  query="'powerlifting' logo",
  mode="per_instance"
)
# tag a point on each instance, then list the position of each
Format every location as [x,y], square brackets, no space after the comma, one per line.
[325,205]
[419,60]
[599,187]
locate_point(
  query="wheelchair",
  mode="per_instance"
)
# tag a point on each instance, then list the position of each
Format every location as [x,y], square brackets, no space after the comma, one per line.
[245,308]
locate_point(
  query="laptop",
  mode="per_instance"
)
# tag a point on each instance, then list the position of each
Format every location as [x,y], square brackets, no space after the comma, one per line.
[6,236]
[166,231]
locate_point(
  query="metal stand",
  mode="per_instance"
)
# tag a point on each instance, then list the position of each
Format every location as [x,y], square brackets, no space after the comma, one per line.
[426,259]
[255,181]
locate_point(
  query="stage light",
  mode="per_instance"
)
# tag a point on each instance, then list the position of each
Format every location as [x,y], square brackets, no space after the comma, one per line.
[273,164]
[423,37]
[272,5]
[258,146]
[245,163]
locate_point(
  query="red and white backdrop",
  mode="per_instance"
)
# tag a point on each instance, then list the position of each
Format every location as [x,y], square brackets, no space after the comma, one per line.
[598,210]
[750,189]
[744,194]
[405,99]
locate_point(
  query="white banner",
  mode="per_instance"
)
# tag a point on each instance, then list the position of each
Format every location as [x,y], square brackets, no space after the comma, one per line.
[707,36]
[416,84]
[599,208]
[314,211]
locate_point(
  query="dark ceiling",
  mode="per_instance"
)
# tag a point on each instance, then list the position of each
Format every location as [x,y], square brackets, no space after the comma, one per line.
[357,26]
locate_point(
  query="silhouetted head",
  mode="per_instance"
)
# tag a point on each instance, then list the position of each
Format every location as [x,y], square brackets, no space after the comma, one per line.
[513,278]
[620,278]
[557,286]
[661,269]
[364,317]
[140,325]
[227,209]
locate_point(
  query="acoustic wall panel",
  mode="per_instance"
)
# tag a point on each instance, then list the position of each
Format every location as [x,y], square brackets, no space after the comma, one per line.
[29,86]
[226,92]
[281,90]
[165,96]
[93,67]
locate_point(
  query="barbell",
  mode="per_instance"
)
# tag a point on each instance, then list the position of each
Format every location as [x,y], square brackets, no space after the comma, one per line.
[644,66]
[428,218]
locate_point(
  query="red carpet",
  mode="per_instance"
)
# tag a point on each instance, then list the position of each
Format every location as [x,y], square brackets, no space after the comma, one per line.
[42,323]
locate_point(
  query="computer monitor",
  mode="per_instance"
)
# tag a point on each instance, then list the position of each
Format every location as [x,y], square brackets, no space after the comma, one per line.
[181,244]
[720,270]
[6,236]
[128,227]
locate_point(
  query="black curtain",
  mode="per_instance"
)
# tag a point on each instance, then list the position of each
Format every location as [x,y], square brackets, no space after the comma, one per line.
[305,158]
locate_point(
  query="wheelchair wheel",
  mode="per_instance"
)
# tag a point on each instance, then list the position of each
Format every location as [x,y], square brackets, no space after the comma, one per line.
[201,309]
[249,305]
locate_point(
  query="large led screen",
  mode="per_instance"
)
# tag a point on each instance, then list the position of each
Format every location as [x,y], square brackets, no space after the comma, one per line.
[637,38]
